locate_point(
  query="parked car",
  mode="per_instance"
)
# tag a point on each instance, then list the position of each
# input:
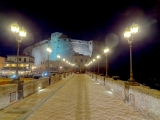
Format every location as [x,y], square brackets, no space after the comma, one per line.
[37,76]
[45,74]
[14,77]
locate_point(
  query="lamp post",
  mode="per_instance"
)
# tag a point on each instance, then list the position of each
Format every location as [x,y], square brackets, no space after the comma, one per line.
[106,51]
[49,50]
[19,33]
[94,65]
[58,56]
[130,33]
[64,65]
[91,68]
[98,56]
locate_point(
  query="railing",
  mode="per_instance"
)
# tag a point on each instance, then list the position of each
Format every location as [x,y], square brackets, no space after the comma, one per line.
[18,90]
[142,98]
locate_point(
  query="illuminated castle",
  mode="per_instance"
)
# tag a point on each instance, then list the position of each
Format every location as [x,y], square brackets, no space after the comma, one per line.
[60,44]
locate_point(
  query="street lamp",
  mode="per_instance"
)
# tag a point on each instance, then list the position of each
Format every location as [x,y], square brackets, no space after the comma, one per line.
[98,56]
[130,33]
[106,51]
[19,33]
[94,65]
[49,50]
[58,56]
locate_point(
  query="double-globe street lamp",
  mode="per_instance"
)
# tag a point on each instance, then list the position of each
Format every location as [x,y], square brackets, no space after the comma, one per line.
[19,33]
[129,33]
[106,51]
[49,50]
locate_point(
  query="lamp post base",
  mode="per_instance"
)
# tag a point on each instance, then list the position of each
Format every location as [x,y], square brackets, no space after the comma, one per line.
[132,83]
[107,76]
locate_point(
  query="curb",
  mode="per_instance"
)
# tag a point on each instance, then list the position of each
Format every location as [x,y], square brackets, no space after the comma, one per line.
[39,104]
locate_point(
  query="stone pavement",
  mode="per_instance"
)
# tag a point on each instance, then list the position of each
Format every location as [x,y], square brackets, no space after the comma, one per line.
[24,108]
[81,98]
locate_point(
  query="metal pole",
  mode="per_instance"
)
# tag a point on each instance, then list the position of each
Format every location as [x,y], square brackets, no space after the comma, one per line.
[58,65]
[18,45]
[98,66]
[106,66]
[48,63]
[131,71]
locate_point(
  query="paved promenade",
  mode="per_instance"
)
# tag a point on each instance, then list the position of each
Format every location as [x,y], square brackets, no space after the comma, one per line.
[83,99]
[77,97]
[24,108]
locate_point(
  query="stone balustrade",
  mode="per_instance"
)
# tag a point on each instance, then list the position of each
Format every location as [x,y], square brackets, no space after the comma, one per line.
[9,92]
[8,95]
[142,98]
[32,86]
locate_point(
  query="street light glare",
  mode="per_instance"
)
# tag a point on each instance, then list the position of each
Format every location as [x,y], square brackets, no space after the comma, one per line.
[106,50]
[14,27]
[49,49]
[58,56]
[127,33]
[134,28]
[98,56]
[22,32]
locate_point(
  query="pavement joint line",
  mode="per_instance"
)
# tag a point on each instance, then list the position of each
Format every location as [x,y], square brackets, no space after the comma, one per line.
[39,104]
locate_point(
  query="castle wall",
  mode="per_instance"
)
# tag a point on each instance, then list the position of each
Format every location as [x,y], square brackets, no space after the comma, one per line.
[61,45]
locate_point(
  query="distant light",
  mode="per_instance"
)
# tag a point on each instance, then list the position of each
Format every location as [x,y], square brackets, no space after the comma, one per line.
[106,50]
[49,49]
[98,56]
[58,56]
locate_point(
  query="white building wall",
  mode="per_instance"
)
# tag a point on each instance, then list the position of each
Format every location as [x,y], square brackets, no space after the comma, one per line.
[61,45]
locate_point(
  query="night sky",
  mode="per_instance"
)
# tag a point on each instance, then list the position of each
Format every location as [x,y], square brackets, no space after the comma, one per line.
[102,21]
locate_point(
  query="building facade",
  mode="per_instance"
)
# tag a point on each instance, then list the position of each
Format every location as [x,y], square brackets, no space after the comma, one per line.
[60,45]
[80,62]
[25,65]
[2,62]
